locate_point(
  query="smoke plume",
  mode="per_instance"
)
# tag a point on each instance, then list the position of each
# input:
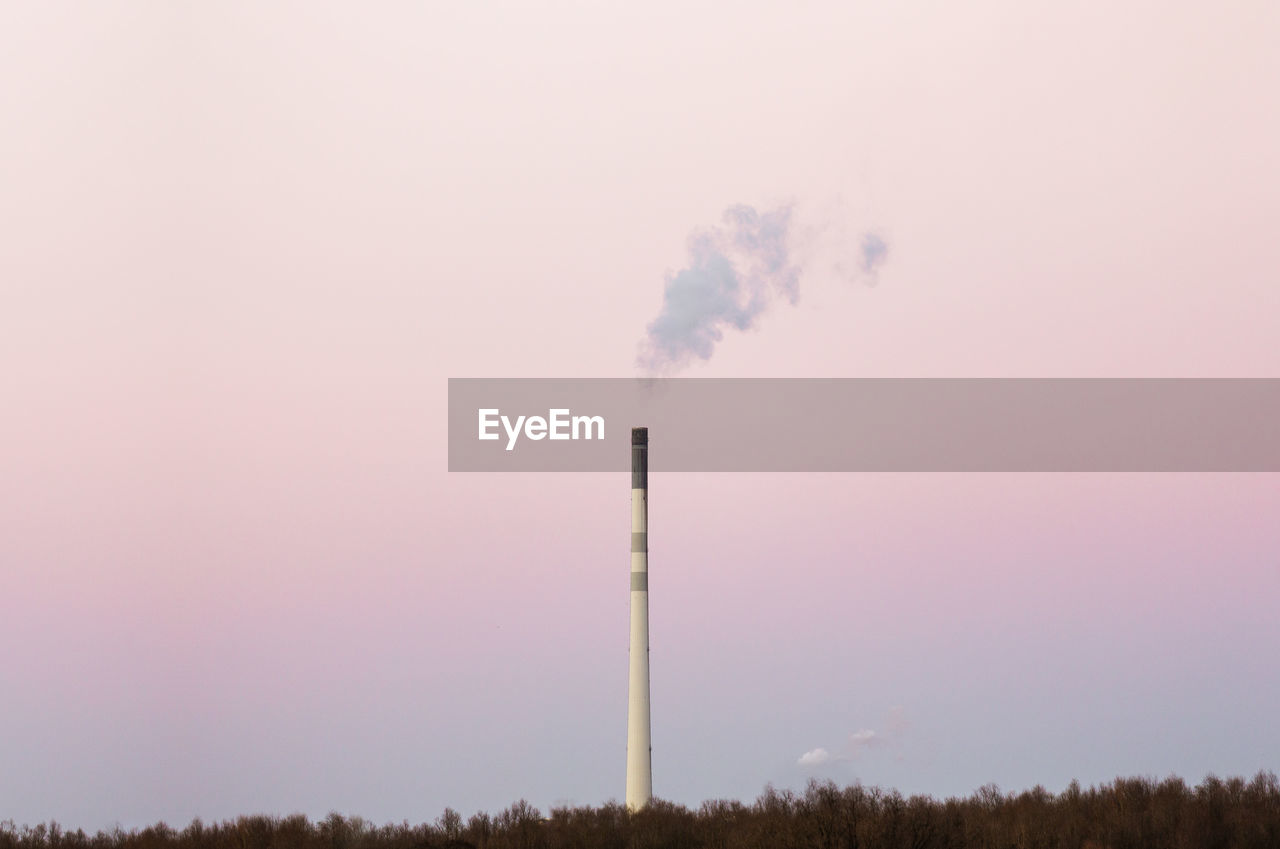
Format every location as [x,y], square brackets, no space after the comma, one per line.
[874,253]
[734,272]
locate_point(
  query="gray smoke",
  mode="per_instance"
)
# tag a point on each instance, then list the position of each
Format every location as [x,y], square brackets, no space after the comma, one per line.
[734,273]
[874,252]
[860,264]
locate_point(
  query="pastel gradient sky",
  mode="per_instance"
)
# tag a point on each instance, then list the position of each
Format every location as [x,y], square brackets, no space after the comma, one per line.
[243,246]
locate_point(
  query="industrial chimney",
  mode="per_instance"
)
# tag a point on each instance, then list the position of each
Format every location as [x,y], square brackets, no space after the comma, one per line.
[639,751]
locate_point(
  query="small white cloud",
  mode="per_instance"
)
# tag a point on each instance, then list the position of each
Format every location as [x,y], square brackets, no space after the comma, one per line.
[814,757]
[865,737]
[860,742]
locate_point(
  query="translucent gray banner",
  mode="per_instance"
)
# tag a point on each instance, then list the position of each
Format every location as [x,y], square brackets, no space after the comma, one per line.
[866,425]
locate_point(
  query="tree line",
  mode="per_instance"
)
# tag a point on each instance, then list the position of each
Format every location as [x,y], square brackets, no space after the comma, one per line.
[1129,813]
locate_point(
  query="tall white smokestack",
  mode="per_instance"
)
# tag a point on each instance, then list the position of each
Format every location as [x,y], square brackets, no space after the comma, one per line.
[639,750]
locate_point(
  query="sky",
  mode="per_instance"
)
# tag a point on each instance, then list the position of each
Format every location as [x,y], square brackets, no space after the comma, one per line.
[243,247]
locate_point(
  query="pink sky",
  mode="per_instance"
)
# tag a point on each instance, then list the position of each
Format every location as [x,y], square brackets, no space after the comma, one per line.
[244,247]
